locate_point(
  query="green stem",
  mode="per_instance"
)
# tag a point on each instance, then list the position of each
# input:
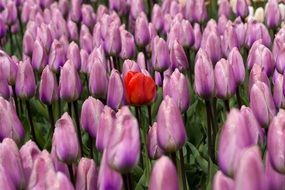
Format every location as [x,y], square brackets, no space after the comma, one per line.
[91,142]
[11,41]
[182,168]
[71,174]
[75,105]
[238,97]
[209,131]
[31,122]
[51,117]
[15,99]
[227,105]
[69,109]
[149,115]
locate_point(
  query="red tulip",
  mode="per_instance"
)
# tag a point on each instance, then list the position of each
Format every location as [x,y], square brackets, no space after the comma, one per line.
[140,88]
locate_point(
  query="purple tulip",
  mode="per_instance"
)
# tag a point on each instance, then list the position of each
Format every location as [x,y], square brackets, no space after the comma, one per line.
[85,39]
[84,56]
[75,11]
[70,86]
[204,75]
[222,25]
[262,104]
[58,181]
[4,88]
[123,151]
[224,8]
[256,31]
[25,80]
[178,57]
[10,160]
[129,65]
[29,153]
[96,56]
[86,174]
[242,8]
[154,151]
[160,55]
[254,178]
[115,85]
[5,181]
[171,133]
[98,80]
[87,15]
[279,58]
[112,43]
[142,35]
[120,6]
[44,36]
[200,11]
[141,62]
[10,13]
[222,182]
[57,56]
[234,138]
[278,95]
[73,54]
[48,90]
[197,36]
[39,57]
[236,62]
[157,17]
[136,7]
[224,78]
[72,30]
[107,177]
[272,14]
[240,29]
[105,127]
[163,175]
[59,166]
[230,39]
[276,142]
[177,87]
[90,115]
[65,140]
[128,45]
[257,74]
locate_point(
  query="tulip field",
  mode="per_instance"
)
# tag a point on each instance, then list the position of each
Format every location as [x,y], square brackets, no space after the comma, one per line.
[142,95]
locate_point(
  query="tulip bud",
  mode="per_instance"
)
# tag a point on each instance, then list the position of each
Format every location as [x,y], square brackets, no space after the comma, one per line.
[70,86]
[224,8]
[257,74]
[72,30]
[112,43]
[107,177]
[154,151]
[10,13]
[204,75]
[236,62]
[197,36]
[272,14]
[5,181]
[130,65]
[59,166]
[234,138]
[261,103]
[44,36]
[65,139]
[98,80]
[11,162]
[39,58]
[240,29]
[212,45]
[157,17]
[224,78]
[58,181]
[141,60]
[256,31]
[91,107]
[160,55]
[96,56]
[230,39]
[250,158]
[242,8]
[177,87]
[84,61]
[57,56]
[142,35]
[75,12]
[105,127]
[87,15]
[115,85]
[140,89]
[86,174]
[200,11]
[163,175]
[222,182]
[73,54]
[25,80]
[123,151]
[85,39]
[29,153]
[171,133]
[128,45]
[136,7]
[178,57]
[278,96]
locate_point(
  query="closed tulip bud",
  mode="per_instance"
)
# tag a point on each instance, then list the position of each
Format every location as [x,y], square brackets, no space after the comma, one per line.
[70,86]
[257,74]
[280,64]
[200,11]
[76,14]
[96,56]
[197,36]
[130,65]
[105,127]
[160,55]
[48,90]
[259,54]
[222,182]
[251,158]
[58,181]
[10,13]
[157,17]
[154,151]
[240,29]
[98,80]
[276,142]
[136,7]
[86,174]
[142,35]
[123,151]
[59,166]
[234,138]
[85,39]
[73,54]
[8,68]
[163,175]
[224,78]
[25,80]
[224,8]
[177,87]
[28,153]
[222,23]
[278,95]
[178,57]
[5,181]
[230,39]
[42,168]
[94,107]
[4,88]
[141,62]
[112,43]
[188,34]
[262,104]
[39,57]
[115,85]
[44,35]
[204,75]
[128,45]
[97,38]
[119,6]
[212,46]
[87,15]
[72,30]
[256,31]
[107,177]
[171,133]
[84,61]
[65,140]
[242,8]
[140,89]
[57,56]
[11,162]
[236,61]
[272,14]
